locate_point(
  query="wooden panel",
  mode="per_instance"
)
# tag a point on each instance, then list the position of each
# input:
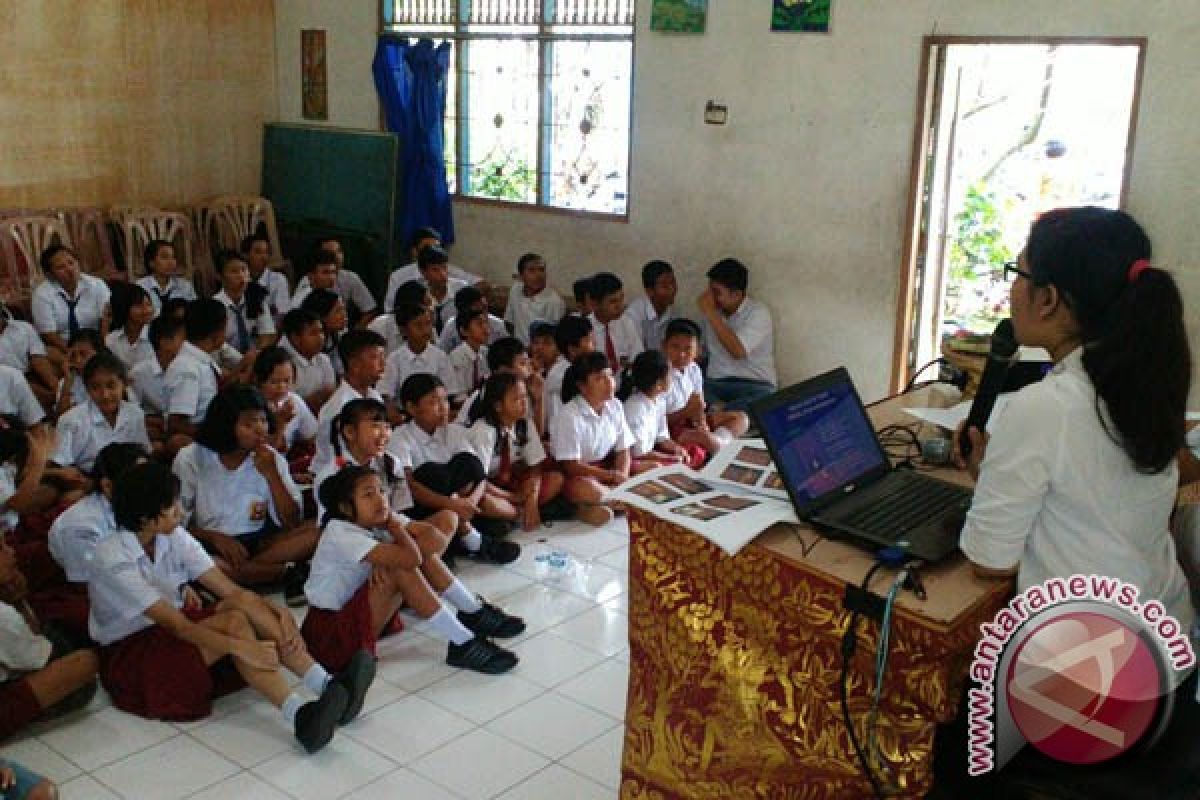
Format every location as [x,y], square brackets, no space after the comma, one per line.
[133,101]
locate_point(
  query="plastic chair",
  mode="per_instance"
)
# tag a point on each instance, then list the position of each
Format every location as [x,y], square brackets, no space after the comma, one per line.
[141,226]
[234,217]
[22,241]
[88,229]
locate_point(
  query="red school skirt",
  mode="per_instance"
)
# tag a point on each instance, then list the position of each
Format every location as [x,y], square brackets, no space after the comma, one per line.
[333,637]
[157,675]
[66,606]
[696,454]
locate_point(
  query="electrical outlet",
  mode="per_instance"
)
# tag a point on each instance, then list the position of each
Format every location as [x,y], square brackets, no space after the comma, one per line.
[715,114]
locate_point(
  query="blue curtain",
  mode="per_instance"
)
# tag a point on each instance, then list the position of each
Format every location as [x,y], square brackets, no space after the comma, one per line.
[411,80]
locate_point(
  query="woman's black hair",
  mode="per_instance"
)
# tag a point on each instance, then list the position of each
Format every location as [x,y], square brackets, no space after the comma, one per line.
[649,367]
[409,292]
[255,294]
[104,361]
[320,302]
[143,492]
[124,297]
[151,251]
[175,307]
[1135,345]
[48,255]
[494,389]
[582,368]
[337,491]
[163,327]
[113,459]
[354,412]
[418,385]
[572,329]
[89,335]
[217,430]
[504,352]
[204,317]
[268,360]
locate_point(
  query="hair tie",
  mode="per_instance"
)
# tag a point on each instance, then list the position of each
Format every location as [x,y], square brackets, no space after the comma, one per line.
[1138,267]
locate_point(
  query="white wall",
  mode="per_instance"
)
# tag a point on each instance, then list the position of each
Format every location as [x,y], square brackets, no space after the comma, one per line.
[807,183]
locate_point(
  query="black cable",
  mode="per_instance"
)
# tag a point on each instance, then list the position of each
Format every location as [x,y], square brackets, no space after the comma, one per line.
[849,643]
[913,380]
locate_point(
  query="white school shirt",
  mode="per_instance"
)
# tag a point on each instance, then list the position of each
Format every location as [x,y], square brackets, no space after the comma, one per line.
[483,439]
[177,287]
[467,370]
[76,532]
[626,339]
[21,650]
[1058,496]
[83,432]
[385,325]
[444,310]
[50,310]
[399,496]
[552,393]
[235,502]
[412,446]
[262,325]
[72,383]
[681,385]
[521,311]
[411,272]
[302,425]
[349,287]
[278,295]
[754,329]
[131,354]
[17,398]
[404,362]
[580,434]
[124,581]
[18,342]
[647,421]
[147,379]
[333,406]
[449,338]
[8,487]
[312,374]
[190,383]
[650,324]
[338,568]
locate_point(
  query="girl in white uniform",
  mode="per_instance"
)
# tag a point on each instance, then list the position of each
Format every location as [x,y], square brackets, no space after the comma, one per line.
[295,429]
[646,413]
[105,418]
[162,279]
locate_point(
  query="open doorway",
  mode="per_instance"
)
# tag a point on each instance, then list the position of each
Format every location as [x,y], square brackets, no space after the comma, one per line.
[1007,129]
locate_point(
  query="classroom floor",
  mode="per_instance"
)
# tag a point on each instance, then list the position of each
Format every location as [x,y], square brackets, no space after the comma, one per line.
[552,728]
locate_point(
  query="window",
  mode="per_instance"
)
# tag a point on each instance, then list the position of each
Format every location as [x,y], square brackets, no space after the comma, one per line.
[540,112]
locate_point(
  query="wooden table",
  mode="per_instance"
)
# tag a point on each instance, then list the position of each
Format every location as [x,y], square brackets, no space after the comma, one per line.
[735,663]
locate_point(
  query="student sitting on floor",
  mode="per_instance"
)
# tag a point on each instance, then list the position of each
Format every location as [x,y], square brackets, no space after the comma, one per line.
[441,471]
[433,263]
[148,381]
[19,783]
[294,426]
[574,337]
[22,349]
[591,438]
[531,300]
[362,352]
[38,677]
[617,336]
[388,326]
[543,350]
[162,279]
[17,399]
[468,361]
[582,292]
[425,237]
[68,299]
[654,310]
[466,300]
[256,252]
[647,416]
[239,497]
[504,438]
[304,340]
[157,655]
[415,354]
[84,343]
[105,418]
[687,421]
[129,339]
[508,355]
[371,561]
[29,483]
[192,379]
[331,310]
[329,272]
[248,322]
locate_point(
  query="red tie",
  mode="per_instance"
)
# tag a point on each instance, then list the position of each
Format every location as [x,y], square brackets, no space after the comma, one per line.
[609,349]
[504,474]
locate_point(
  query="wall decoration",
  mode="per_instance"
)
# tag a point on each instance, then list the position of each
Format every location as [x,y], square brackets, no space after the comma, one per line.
[809,16]
[678,16]
[314,84]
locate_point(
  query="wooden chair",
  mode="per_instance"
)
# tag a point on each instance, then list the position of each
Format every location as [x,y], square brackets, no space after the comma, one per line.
[22,241]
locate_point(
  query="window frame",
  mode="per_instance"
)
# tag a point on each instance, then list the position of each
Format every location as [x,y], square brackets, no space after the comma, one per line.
[546,38]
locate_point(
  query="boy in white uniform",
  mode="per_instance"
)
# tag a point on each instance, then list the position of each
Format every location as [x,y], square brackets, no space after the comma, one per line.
[424,237]
[574,337]
[417,354]
[191,382]
[362,352]
[304,340]
[468,361]
[654,310]
[617,336]
[531,300]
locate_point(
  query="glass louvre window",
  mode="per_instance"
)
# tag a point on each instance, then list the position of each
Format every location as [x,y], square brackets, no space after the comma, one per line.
[540,109]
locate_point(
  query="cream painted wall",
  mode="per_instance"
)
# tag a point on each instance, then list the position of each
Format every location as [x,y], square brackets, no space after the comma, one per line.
[807,183]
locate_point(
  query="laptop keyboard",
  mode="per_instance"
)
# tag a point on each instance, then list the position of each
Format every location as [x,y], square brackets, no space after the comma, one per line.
[905,506]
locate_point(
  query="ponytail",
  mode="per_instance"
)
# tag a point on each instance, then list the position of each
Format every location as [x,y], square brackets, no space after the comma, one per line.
[582,368]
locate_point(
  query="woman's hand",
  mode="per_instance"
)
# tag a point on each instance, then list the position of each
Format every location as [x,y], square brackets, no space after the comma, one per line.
[264,459]
[979,442]
[261,655]
[284,414]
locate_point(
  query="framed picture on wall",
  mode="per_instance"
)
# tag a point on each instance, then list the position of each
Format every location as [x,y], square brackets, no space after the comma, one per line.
[678,16]
[314,86]
[804,16]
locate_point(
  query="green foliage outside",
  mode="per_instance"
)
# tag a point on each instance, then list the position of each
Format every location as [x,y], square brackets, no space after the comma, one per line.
[977,257]
[795,15]
[503,177]
[677,16]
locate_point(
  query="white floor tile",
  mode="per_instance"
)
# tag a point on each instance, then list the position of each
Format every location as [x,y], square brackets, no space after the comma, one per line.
[556,782]
[93,740]
[548,660]
[344,765]
[493,582]
[250,736]
[593,581]
[479,765]
[592,544]
[551,725]
[600,759]
[174,769]
[226,705]
[243,786]
[602,688]
[617,559]
[480,698]
[37,756]
[85,787]
[600,628]
[408,729]
[403,784]
[412,661]
[381,695]
[544,607]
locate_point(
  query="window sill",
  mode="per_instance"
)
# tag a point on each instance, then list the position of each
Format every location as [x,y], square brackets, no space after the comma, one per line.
[537,209]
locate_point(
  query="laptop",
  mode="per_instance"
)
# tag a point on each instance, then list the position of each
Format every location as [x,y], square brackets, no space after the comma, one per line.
[840,479]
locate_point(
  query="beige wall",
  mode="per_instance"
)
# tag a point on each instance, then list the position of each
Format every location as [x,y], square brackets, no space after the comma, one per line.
[133,101]
[808,182]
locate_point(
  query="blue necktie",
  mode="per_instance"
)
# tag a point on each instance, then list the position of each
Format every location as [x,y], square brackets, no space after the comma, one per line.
[72,320]
[243,332]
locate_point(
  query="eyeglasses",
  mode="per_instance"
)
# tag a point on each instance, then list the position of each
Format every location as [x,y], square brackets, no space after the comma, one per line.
[1011,271]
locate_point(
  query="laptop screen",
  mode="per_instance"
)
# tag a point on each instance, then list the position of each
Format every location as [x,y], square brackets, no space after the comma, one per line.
[822,439]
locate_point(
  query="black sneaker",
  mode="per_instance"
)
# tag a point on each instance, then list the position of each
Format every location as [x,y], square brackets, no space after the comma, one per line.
[316,721]
[480,655]
[491,621]
[356,678]
[493,551]
[294,578]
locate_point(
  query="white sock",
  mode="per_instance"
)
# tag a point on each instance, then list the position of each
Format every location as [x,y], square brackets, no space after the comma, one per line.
[316,679]
[724,436]
[472,540]
[461,597]
[291,706]
[445,623]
